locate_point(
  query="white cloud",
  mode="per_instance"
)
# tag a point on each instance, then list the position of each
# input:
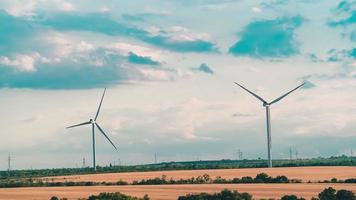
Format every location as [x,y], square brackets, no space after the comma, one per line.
[179,33]
[20,61]
[84,47]
[64,5]
[20,8]
[30,8]
[104,9]
[150,74]
[124,48]
[256,10]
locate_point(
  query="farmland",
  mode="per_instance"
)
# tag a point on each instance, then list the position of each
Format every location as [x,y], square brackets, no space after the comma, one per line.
[171,192]
[313,174]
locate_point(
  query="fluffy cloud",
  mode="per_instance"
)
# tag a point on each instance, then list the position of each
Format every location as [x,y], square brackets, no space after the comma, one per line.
[179,40]
[31,8]
[143,60]
[203,68]
[268,38]
[345,17]
[351,19]
[21,62]
[35,57]
[82,66]
[64,75]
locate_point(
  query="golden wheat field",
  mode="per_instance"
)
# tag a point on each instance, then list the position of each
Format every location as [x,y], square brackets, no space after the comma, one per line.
[303,173]
[170,192]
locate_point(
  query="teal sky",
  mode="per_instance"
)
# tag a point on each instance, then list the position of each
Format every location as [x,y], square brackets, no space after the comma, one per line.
[169,67]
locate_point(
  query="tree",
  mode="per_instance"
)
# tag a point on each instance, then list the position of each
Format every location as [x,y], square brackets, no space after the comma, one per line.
[345,195]
[291,197]
[54,198]
[328,194]
[262,178]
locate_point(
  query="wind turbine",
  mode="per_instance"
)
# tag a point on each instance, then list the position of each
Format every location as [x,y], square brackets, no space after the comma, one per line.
[267,105]
[94,124]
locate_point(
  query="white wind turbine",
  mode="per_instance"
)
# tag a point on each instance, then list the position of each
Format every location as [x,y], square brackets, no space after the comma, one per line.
[94,124]
[267,105]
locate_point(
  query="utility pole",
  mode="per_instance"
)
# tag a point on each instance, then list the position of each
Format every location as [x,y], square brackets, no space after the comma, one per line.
[155,158]
[290,153]
[351,153]
[9,162]
[239,154]
[84,162]
[296,154]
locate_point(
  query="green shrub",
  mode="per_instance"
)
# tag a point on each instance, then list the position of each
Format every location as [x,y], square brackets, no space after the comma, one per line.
[115,196]
[328,194]
[345,195]
[291,197]
[223,195]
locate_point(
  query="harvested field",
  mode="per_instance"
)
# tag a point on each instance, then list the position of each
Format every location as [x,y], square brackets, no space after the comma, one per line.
[170,192]
[303,173]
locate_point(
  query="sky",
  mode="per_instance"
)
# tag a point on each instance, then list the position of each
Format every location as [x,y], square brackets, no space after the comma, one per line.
[169,68]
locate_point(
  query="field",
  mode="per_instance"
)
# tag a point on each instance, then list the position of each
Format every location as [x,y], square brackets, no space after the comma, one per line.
[303,173]
[170,192]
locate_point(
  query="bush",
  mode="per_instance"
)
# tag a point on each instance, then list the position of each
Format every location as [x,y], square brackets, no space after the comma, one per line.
[345,195]
[115,196]
[328,194]
[223,195]
[291,197]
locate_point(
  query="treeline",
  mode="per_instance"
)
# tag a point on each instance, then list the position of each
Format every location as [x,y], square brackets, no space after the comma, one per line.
[107,196]
[326,194]
[188,165]
[204,179]
[335,180]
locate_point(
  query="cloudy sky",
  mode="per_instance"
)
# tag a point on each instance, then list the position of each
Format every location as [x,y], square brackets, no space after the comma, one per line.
[169,66]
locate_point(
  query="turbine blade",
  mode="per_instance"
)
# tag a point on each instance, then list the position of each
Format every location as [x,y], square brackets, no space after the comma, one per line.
[281,97]
[81,124]
[101,101]
[101,130]
[255,95]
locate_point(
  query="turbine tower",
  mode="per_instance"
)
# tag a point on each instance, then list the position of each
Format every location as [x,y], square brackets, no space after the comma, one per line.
[94,124]
[268,120]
